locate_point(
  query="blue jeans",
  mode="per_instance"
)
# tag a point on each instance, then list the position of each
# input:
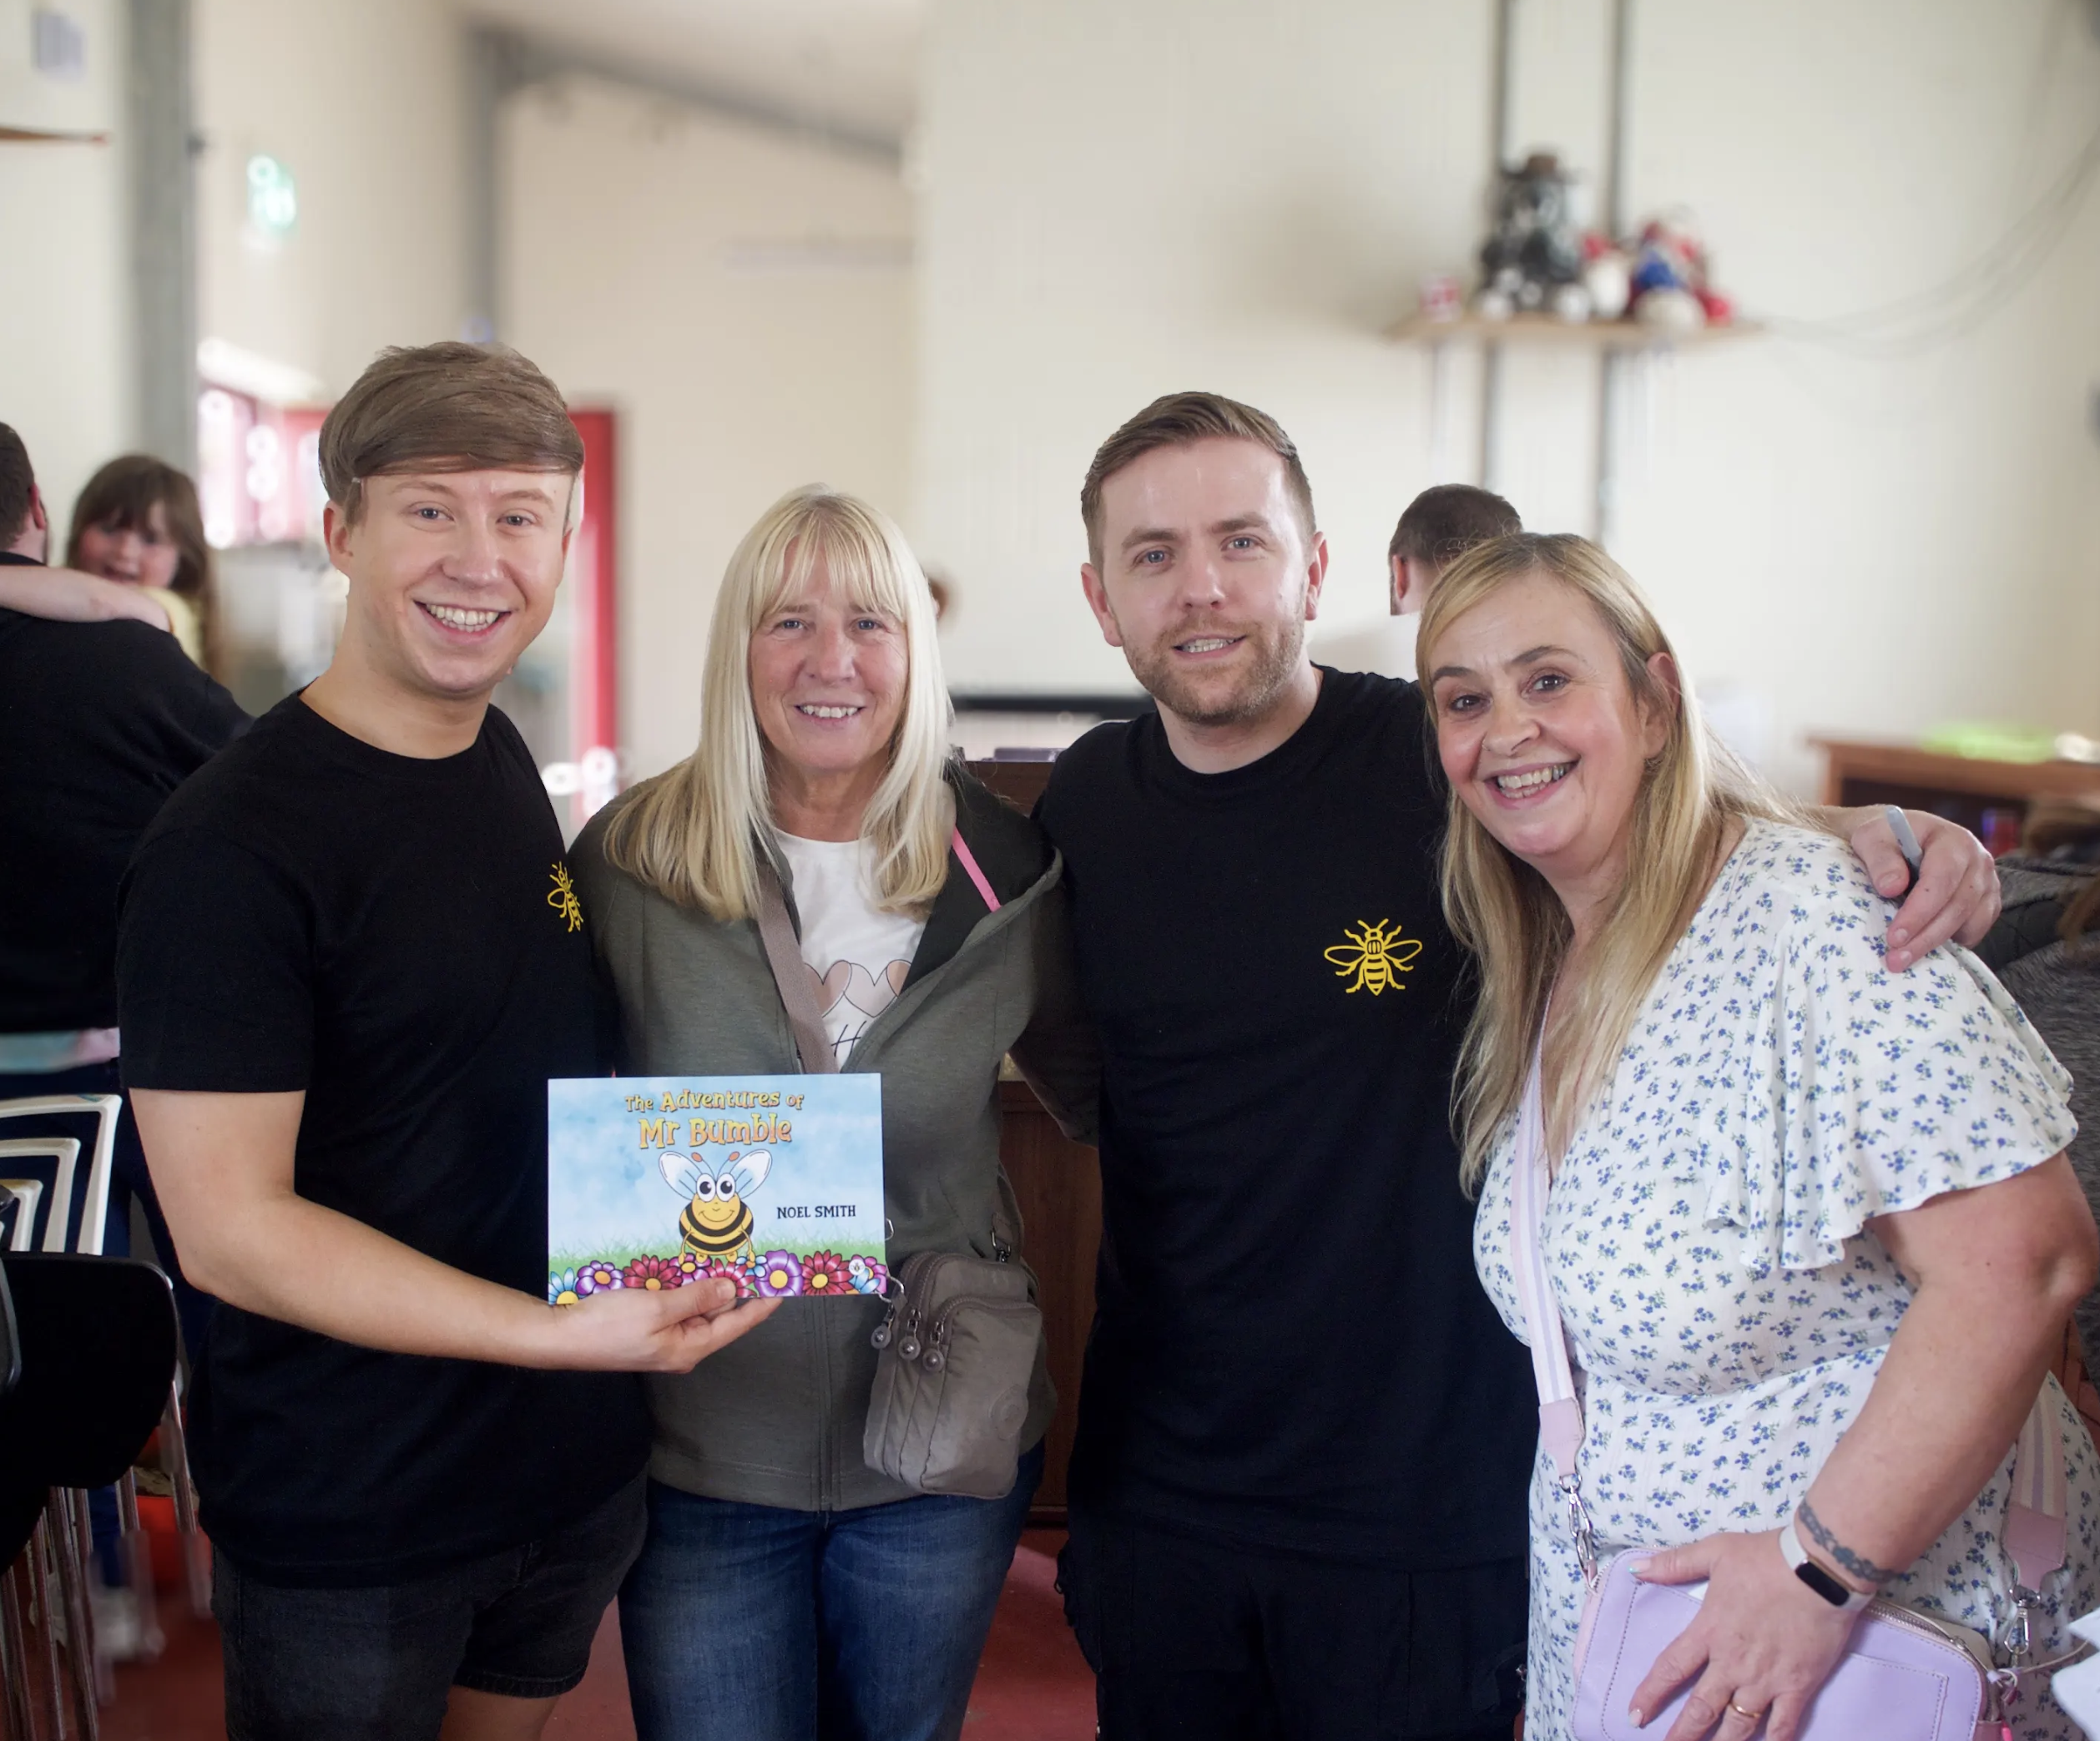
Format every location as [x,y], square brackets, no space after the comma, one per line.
[755,1621]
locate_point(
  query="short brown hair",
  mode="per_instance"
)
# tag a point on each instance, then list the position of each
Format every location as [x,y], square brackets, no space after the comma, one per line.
[446,408]
[17,483]
[1177,420]
[1447,519]
[121,498]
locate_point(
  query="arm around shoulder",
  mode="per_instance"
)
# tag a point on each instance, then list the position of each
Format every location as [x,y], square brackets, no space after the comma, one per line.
[66,595]
[1059,1053]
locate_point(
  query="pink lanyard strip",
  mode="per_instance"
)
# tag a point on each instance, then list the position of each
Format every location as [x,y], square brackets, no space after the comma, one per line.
[970,864]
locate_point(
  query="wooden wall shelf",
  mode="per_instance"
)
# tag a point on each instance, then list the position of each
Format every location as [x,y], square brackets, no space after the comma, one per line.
[1571,335]
[49,136]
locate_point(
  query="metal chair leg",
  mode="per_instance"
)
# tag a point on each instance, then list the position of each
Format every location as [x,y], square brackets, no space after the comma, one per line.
[73,1592]
[14,1658]
[196,1551]
[103,1675]
[136,1552]
[47,1618]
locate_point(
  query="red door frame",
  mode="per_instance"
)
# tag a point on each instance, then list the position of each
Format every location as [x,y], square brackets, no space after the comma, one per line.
[594,700]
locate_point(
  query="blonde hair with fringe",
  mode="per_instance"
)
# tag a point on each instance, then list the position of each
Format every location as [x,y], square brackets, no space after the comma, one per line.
[693,833]
[1507,913]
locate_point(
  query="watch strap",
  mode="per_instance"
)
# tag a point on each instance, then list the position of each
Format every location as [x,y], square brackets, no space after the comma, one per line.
[1831,1588]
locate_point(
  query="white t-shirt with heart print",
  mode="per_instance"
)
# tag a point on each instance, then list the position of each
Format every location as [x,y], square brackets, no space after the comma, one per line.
[859,956]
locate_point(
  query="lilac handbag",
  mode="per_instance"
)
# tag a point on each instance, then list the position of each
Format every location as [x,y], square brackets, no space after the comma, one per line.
[1906,1676]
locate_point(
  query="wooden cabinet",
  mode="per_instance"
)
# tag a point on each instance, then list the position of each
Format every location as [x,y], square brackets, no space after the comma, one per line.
[1058,1184]
[1960,788]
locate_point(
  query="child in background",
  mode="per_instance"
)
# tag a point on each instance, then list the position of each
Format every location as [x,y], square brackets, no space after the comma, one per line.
[137,522]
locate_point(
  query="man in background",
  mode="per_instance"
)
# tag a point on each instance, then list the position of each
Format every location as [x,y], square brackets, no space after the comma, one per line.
[1440,525]
[99,722]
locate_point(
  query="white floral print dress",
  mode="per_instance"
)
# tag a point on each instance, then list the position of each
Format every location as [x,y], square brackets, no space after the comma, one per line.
[1705,1237]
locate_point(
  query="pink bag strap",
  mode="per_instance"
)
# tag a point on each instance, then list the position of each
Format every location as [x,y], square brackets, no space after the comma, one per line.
[2036,1529]
[2036,1532]
[969,863]
[1560,1411]
[1560,1414]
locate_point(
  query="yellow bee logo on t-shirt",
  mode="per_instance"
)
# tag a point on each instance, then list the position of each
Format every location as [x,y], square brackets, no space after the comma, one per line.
[1374,956]
[562,898]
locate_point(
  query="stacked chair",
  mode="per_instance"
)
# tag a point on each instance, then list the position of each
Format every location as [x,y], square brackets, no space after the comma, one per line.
[91,1344]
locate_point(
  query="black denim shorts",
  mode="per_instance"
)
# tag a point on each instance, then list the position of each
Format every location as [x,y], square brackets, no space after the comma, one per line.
[377,1664]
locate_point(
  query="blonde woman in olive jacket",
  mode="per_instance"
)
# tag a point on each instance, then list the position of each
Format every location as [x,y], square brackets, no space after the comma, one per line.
[786,1589]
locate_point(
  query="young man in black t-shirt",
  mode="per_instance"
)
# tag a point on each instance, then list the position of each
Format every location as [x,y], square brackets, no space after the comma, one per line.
[349,961]
[1297,1495]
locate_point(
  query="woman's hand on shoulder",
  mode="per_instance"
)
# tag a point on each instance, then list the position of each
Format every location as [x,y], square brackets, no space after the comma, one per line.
[1763,1644]
[1957,893]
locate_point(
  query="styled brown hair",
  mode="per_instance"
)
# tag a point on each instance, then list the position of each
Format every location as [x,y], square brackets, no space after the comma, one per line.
[445,408]
[17,481]
[1177,420]
[1447,519]
[121,498]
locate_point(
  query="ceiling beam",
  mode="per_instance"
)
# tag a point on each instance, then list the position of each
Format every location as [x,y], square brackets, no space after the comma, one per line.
[528,60]
[501,63]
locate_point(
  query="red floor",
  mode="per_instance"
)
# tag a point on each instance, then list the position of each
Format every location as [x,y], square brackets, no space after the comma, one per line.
[1031,1686]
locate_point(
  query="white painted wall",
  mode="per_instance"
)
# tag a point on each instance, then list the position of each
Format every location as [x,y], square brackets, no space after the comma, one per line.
[66,363]
[1123,199]
[636,273]
[363,100]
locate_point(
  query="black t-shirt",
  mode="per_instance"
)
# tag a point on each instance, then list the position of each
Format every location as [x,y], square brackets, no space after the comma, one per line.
[99,722]
[1290,1347]
[389,935]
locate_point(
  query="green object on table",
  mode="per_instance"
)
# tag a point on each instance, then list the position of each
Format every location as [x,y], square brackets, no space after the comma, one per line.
[1984,742]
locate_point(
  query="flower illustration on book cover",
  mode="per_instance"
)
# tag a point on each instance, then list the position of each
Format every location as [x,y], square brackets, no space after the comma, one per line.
[653,1273]
[824,1273]
[779,1273]
[741,1271]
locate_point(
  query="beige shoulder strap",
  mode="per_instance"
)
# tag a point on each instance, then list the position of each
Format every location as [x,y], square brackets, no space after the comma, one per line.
[791,975]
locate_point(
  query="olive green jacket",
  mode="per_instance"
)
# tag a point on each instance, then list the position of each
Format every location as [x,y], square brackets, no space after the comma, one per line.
[775,1419]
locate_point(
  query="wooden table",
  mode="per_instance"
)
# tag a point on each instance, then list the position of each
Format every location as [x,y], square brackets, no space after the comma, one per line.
[1958,787]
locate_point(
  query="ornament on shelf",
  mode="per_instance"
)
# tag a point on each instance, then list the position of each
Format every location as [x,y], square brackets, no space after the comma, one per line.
[1670,261]
[1535,247]
[1668,309]
[1608,275]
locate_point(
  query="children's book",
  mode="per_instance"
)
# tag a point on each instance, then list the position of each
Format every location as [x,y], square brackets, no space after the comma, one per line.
[773,1182]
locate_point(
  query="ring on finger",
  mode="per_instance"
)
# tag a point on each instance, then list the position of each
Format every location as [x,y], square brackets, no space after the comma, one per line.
[1749,1716]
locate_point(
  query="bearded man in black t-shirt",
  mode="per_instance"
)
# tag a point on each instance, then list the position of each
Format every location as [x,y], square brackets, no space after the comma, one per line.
[1298,1496]
[350,960]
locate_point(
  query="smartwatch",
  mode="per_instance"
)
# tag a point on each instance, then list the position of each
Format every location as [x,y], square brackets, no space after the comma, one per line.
[1837,1593]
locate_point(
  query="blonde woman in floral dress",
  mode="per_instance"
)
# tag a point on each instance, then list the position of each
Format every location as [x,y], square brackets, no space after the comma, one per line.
[1811,1228]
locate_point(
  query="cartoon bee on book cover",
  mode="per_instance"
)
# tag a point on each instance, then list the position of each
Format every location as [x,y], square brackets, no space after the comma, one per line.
[774,1182]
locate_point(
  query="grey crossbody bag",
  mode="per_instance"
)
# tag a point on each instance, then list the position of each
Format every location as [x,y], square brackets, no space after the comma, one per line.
[962,1336]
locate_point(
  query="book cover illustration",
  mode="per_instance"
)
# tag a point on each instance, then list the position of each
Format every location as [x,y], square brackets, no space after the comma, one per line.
[772,1182]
